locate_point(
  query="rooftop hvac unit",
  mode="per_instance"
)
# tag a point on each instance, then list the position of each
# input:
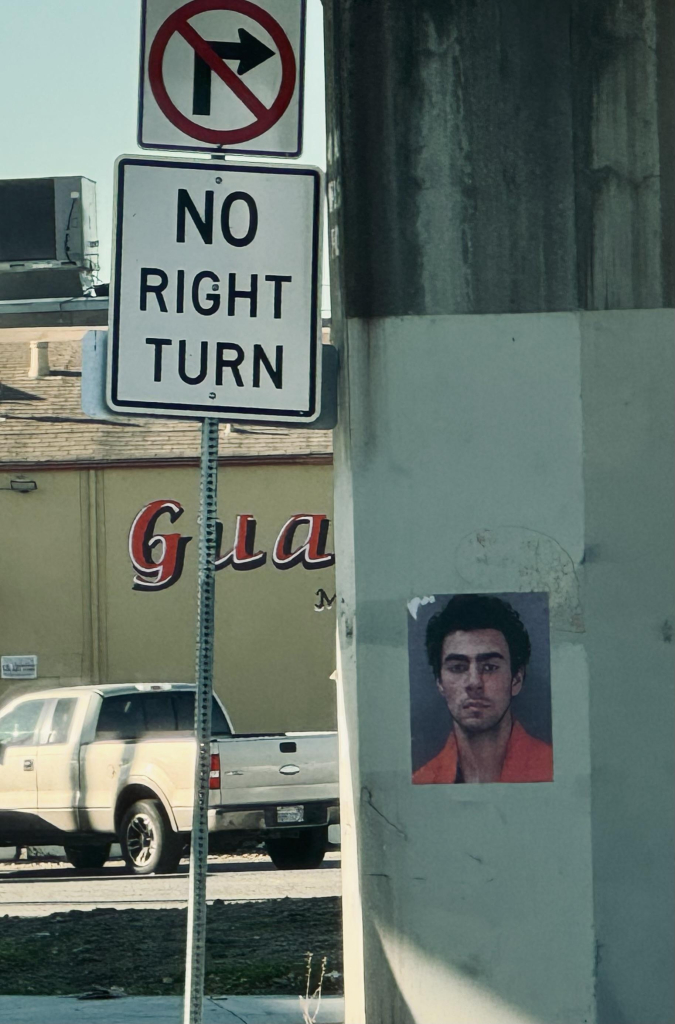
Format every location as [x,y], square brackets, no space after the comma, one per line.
[48,237]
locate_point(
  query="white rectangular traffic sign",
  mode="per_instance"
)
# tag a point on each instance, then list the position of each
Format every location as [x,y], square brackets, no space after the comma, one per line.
[215,292]
[222,75]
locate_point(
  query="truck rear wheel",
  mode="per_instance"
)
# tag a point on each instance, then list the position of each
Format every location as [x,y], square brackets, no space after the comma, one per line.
[87,858]
[304,851]
[149,844]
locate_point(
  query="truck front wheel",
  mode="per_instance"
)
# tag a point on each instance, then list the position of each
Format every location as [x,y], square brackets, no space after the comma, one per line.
[87,858]
[304,851]
[149,844]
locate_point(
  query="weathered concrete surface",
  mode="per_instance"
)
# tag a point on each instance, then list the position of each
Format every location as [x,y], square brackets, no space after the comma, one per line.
[477,900]
[627,394]
[524,903]
[495,168]
[503,156]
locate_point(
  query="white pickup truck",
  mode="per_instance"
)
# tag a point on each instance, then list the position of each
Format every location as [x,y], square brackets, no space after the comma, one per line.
[87,766]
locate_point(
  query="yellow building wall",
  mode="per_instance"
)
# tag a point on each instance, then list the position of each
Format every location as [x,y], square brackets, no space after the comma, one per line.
[77,610]
[44,574]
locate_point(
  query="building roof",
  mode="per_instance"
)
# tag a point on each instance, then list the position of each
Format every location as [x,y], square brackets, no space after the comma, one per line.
[42,424]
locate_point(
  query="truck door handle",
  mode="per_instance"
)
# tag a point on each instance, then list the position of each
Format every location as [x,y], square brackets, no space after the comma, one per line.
[28,764]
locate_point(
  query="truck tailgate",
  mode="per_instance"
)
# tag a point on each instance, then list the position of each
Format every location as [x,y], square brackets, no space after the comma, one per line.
[296,767]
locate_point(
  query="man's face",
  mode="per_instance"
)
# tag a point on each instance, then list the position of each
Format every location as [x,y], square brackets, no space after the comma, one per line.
[476,679]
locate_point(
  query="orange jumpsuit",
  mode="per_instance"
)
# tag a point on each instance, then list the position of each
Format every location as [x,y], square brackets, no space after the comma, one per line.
[527,760]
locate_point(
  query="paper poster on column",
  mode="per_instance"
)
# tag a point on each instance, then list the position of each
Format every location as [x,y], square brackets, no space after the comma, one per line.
[480,688]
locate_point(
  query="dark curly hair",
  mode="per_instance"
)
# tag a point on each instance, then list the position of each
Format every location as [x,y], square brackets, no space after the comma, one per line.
[467,612]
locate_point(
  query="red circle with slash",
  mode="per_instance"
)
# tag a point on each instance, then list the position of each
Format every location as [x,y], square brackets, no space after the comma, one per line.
[265,117]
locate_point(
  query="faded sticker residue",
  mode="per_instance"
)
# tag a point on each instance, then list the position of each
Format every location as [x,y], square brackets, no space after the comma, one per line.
[517,559]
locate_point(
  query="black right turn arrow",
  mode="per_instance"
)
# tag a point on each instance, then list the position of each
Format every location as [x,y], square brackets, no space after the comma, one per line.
[249,51]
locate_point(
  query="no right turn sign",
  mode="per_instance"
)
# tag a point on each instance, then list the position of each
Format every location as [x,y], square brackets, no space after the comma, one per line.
[222,74]
[215,300]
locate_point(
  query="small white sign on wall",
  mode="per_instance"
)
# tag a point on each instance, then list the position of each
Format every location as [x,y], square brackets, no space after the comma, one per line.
[18,666]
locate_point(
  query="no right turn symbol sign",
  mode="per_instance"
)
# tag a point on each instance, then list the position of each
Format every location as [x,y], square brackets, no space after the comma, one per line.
[222,74]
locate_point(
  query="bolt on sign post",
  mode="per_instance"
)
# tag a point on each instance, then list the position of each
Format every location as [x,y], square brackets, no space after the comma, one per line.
[222,75]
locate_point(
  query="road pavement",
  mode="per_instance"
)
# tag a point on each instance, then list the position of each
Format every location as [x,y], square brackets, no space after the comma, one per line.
[29,889]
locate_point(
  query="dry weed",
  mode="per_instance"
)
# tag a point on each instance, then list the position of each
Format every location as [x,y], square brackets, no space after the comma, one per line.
[310,1003]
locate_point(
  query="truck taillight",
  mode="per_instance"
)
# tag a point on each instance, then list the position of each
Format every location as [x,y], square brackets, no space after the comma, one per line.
[214,774]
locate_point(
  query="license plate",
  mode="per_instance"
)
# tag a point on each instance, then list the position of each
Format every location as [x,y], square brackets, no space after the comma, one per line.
[285,815]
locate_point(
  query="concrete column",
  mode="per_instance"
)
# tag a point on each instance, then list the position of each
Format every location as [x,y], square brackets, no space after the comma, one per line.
[501,227]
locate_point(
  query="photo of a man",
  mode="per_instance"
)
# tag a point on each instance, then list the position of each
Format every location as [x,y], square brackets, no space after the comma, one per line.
[478,651]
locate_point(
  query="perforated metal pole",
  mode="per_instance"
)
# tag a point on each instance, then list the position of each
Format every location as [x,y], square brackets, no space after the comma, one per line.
[196,926]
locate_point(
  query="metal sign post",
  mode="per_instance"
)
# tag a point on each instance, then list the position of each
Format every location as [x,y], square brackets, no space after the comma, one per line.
[177,225]
[196,924]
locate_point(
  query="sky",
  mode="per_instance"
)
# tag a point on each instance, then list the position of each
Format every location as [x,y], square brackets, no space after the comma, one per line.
[69,82]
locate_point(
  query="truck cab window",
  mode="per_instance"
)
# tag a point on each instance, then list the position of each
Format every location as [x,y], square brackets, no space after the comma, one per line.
[184,703]
[219,726]
[121,718]
[62,716]
[17,727]
[160,717]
